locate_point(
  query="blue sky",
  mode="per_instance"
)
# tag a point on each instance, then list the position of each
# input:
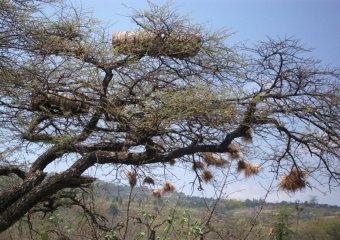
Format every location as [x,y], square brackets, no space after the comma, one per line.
[316,23]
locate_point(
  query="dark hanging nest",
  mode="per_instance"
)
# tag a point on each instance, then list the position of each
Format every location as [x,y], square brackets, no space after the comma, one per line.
[157,193]
[197,165]
[234,151]
[206,175]
[172,162]
[58,103]
[132,176]
[208,158]
[247,168]
[251,169]
[294,181]
[220,162]
[156,44]
[214,160]
[241,165]
[247,136]
[168,187]
[148,180]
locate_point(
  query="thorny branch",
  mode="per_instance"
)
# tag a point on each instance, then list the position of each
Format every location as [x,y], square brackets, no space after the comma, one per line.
[68,92]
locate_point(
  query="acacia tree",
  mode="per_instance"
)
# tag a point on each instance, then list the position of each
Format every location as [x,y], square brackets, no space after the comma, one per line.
[67,94]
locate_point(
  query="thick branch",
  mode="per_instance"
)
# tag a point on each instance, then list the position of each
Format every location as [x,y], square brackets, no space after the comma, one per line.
[104,157]
[104,146]
[59,150]
[35,194]
[6,171]
[49,156]
[248,119]
[7,197]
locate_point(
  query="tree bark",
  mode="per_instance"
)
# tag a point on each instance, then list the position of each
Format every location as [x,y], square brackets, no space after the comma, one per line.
[49,186]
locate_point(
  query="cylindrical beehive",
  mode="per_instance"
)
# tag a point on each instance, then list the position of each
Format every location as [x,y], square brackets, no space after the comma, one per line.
[60,102]
[152,44]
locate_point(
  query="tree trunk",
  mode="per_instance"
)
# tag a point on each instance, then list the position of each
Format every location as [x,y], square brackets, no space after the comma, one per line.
[33,196]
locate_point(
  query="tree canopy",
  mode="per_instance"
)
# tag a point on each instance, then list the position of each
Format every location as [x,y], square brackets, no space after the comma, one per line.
[68,94]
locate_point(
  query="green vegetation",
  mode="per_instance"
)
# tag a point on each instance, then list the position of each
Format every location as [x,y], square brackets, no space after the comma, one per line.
[281,229]
[72,98]
[178,216]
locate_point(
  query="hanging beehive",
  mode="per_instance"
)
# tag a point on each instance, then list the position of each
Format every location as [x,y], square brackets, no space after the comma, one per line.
[59,103]
[152,44]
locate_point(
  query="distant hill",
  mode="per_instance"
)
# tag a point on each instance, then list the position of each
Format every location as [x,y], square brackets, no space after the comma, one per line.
[177,213]
[140,194]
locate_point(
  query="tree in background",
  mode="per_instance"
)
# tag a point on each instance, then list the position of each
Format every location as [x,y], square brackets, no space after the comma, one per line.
[68,95]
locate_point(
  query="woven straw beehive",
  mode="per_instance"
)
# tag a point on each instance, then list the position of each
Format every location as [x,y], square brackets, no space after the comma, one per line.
[60,102]
[151,44]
